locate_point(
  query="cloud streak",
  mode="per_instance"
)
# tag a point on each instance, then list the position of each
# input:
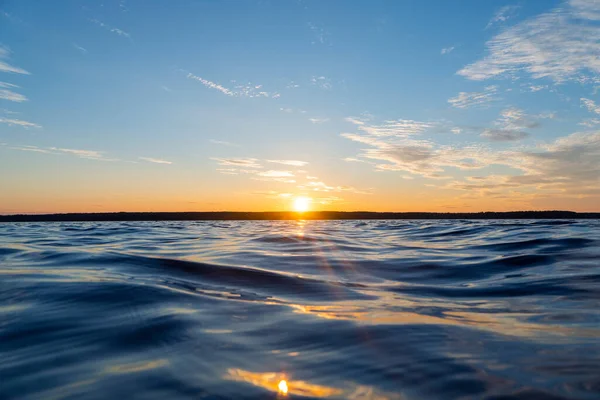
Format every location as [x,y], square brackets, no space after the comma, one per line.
[155,160]
[502,15]
[210,84]
[111,29]
[560,45]
[503,135]
[294,163]
[7,94]
[238,162]
[223,143]
[567,167]
[422,157]
[511,125]
[321,82]
[474,99]
[321,35]
[6,67]
[447,50]
[392,128]
[18,122]
[87,154]
[243,90]
[82,50]
[590,105]
[276,174]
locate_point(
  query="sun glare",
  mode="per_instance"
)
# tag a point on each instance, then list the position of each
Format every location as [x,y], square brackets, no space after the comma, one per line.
[283,387]
[301,204]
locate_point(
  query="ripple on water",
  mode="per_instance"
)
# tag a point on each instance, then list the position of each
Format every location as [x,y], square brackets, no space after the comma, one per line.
[363,310]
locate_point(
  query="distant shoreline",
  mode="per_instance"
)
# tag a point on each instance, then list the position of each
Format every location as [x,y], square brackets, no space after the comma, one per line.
[289,215]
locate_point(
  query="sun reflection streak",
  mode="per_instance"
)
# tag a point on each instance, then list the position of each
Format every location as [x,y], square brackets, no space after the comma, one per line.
[282,385]
[377,312]
[300,224]
[279,383]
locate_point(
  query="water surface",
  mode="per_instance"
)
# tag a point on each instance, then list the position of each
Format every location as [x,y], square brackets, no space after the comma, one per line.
[373,310]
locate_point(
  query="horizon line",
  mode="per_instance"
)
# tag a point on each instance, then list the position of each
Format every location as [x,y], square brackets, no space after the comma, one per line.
[291,215]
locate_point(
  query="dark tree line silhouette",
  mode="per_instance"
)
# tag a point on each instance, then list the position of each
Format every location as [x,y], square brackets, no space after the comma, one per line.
[289,215]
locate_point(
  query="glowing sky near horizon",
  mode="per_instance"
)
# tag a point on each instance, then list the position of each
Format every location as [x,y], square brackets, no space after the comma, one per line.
[365,105]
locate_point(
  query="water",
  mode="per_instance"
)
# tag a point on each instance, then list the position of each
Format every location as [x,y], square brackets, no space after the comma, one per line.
[375,310]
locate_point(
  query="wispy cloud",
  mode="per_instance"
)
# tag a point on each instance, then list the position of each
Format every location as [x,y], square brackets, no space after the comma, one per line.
[294,163]
[239,90]
[318,120]
[7,85]
[18,122]
[252,90]
[586,9]
[289,110]
[34,149]
[536,88]
[318,186]
[228,171]
[276,174]
[155,160]
[12,17]
[590,105]
[112,29]
[88,154]
[421,157]
[590,123]
[322,82]
[570,166]
[503,135]
[355,120]
[561,45]
[82,153]
[210,84]
[321,35]
[502,15]
[223,143]
[395,128]
[474,99]
[238,162]
[5,66]
[82,50]
[514,118]
[511,125]
[7,94]
[447,50]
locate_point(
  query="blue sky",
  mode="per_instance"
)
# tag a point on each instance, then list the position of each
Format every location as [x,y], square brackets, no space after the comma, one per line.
[383,105]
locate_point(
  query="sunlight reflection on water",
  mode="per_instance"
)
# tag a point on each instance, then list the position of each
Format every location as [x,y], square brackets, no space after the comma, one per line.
[373,310]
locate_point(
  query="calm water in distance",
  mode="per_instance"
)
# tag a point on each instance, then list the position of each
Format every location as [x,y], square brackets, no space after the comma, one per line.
[374,310]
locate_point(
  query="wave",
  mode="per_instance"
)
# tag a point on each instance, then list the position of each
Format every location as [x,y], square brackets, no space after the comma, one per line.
[340,309]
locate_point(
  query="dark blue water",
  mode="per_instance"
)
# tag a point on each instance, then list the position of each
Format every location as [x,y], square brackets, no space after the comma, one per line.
[340,310]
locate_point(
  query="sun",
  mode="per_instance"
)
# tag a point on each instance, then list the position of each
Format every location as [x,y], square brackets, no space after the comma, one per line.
[301,204]
[283,387]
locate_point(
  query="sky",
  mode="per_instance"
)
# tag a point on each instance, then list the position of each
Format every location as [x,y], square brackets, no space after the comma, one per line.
[211,105]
